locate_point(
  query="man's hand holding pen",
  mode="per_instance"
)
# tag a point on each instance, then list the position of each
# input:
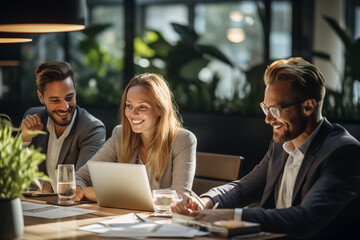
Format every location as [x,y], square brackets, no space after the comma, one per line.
[192,204]
[202,208]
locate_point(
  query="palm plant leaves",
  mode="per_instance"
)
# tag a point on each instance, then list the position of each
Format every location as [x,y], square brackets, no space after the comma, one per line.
[214,52]
[340,32]
[188,35]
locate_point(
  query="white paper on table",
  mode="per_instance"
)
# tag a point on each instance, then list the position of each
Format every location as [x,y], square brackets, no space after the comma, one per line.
[175,230]
[147,229]
[96,228]
[131,230]
[50,211]
[106,225]
[126,218]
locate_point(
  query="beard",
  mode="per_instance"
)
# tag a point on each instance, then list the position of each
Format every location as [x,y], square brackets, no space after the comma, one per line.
[61,122]
[298,126]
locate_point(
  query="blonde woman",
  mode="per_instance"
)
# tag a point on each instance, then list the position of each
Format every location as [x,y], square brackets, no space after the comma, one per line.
[151,134]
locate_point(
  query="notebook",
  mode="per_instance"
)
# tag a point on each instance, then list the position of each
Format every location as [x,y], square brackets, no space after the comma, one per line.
[121,185]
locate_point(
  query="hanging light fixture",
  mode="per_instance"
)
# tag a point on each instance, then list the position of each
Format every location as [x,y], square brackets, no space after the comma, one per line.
[42,16]
[15,40]
[10,55]
[15,37]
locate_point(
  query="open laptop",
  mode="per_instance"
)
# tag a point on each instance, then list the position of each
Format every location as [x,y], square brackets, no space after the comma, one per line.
[121,185]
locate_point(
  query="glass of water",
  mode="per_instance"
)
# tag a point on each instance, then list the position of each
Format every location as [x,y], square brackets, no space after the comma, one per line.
[163,200]
[66,187]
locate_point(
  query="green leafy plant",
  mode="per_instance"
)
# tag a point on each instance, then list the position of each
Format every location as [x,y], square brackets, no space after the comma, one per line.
[181,64]
[18,165]
[99,75]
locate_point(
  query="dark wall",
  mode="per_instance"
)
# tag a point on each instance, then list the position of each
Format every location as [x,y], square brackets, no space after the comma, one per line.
[234,135]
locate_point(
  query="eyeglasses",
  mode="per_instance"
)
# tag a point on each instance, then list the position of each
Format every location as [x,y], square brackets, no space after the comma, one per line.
[275,111]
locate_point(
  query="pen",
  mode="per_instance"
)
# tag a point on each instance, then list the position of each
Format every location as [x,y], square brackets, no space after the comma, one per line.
[215,206]
[139,218]
[193,194]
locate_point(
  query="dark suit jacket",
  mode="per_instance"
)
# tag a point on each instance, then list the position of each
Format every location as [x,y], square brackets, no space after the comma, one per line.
[326,199]
[85,138]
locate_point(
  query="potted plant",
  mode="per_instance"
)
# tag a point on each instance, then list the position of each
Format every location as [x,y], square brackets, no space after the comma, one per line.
[18,169]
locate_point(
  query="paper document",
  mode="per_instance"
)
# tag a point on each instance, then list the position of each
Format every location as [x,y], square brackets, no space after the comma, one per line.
[132,226]
[51,211]
[147,229]
[131,230]
[177,231]
[106,225]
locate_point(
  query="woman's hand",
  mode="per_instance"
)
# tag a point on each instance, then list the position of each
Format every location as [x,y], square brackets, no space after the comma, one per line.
[85,192]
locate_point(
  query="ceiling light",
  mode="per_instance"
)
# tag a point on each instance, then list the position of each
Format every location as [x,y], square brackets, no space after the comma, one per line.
[42,16]
[236,16]
[235,35]
[15,40]
[10,54]
[15,37]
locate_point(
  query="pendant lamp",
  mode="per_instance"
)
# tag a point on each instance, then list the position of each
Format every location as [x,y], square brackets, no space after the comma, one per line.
[15,37]
[42,16]
[10,55]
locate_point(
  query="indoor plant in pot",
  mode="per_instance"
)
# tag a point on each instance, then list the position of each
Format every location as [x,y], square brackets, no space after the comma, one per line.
[18,169]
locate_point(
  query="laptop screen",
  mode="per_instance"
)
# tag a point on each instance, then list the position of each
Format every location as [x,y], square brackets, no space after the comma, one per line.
[121,185]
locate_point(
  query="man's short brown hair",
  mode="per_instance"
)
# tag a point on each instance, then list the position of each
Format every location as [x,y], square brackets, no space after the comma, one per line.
[53,71]
[305,78]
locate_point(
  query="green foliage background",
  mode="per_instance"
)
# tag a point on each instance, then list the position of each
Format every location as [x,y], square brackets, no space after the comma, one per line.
[180,66]
[18,165]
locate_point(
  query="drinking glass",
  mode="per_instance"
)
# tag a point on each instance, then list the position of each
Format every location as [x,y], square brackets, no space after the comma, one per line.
[66,187]
[163,200]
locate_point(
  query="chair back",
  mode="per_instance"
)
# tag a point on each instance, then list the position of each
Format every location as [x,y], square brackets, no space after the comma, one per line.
[213,170]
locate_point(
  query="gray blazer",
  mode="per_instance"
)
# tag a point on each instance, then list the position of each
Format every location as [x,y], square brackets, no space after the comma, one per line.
[326,199]
[85,138]
[179,173]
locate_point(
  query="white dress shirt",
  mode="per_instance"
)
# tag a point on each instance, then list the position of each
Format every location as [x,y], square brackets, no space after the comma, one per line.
[284,190]
[285,187]
[54,148]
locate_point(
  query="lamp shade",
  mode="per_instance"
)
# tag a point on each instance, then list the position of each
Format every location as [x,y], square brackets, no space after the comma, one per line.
[15,40]
[15,37]
[10,54]
[42,16]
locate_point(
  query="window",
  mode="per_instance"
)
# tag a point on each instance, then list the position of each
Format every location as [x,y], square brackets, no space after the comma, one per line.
[357,22]
[280,35]
[235,29]
[160,17]
[97,55]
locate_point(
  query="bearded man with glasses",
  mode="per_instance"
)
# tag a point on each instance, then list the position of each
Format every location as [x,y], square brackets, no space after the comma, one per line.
[308,183]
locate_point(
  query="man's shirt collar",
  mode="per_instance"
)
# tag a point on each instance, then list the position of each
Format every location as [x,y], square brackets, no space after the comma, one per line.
[289,147]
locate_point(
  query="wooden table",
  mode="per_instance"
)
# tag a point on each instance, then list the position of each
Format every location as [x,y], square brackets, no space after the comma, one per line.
[67,228]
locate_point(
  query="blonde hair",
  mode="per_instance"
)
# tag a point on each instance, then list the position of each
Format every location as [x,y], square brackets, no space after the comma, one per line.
[305,78]
[167,126]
